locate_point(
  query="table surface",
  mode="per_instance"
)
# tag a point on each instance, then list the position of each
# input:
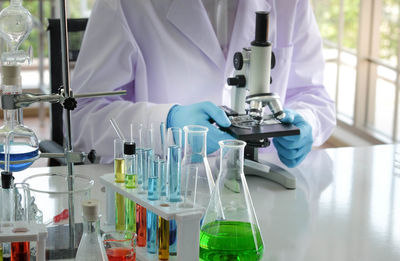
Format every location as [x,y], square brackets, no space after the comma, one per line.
[346,205]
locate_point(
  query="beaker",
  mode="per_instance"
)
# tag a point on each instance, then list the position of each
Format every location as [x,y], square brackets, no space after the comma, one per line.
[230,230]
[198,181]
[49,195]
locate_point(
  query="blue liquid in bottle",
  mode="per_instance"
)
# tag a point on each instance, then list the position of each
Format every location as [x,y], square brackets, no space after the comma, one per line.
[19,152]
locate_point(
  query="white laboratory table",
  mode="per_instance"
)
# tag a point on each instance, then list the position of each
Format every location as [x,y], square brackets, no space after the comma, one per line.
[346,205]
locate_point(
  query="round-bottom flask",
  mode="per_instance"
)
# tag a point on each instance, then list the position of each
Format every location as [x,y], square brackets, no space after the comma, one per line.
[230,229]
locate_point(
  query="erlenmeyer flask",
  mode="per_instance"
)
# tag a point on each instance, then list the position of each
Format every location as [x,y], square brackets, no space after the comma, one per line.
[230,229]
[198,182]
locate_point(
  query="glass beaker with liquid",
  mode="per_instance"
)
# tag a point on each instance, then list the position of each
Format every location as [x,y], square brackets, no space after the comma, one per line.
[230,230]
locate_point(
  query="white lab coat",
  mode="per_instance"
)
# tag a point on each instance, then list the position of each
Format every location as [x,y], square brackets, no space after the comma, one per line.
[166,52]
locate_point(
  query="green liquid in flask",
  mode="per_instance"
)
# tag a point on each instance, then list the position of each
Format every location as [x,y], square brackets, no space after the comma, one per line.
[229,241]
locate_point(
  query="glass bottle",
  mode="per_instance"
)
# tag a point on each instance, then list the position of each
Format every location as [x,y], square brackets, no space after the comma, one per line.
[17,142]
[130,182]
[91,247]
[7,206]
[198,181]
[230,230]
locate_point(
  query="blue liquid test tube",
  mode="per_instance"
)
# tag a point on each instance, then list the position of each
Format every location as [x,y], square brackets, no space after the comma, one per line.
[152,227]
[173,237]
[174,173]
[157,170]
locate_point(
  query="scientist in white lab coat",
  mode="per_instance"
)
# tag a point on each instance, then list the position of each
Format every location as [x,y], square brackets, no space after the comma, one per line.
[173,58]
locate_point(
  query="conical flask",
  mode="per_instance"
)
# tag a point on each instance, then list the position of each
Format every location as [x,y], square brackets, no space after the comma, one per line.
[230,229]
[198,182]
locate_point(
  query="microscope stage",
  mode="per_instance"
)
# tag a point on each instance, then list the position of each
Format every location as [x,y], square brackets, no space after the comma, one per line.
[263,131]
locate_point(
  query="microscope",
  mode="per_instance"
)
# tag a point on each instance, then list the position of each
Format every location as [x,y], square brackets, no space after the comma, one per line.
[250,95]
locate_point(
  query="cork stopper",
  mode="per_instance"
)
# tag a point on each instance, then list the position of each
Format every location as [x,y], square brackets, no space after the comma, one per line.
[90,209]
[11,75]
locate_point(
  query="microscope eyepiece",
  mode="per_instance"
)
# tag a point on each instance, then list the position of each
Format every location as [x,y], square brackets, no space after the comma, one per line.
[262,25]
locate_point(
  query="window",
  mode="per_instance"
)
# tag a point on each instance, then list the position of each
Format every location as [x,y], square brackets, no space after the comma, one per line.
[362,52]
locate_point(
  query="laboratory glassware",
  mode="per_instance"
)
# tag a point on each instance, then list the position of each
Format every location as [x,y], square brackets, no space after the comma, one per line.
[163,239]
[152,227]
[230,229]
[197,177]
[141,227]
[174,143]
[91,247]
[119,172]
[173,237]
[17,142]
[157,170]
[8,207]
[20,251]
[49,193]
[130,182]
[120,245]
[15,25]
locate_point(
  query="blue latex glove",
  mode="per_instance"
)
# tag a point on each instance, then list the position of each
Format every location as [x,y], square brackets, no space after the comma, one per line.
[293,149]
[201,114]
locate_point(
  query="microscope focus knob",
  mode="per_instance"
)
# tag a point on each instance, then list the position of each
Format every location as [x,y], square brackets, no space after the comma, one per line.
[238,81]
[273,60]
[238,61]
[91,156]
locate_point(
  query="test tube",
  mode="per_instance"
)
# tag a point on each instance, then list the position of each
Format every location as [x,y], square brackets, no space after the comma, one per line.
[130,182]
[174,140]
[152,226]
[157,170]
[173,237]
[119,172]
[8,207]
[141,225]
[163,238]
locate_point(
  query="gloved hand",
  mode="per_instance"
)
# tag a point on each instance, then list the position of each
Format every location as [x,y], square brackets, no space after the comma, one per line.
[201,114]
[293,149]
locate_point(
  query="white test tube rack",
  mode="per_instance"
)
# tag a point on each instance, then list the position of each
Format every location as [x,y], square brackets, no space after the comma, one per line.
[36,232]
[187,219]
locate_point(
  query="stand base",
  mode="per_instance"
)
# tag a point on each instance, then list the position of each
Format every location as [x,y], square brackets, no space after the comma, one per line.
[271,172]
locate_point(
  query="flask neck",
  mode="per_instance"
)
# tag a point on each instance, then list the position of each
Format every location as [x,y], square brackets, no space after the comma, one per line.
[16,2]
[13,118]
[91,227]
[232,159]
[195,145]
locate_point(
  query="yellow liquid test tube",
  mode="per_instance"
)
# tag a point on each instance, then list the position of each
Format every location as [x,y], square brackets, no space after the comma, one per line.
[119,172]
[163,244]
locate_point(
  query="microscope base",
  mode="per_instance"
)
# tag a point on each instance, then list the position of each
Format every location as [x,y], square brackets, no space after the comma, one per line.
[271,172]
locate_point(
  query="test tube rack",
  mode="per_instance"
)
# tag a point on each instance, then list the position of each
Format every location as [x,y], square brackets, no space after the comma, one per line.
[187,219]
[35,232]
